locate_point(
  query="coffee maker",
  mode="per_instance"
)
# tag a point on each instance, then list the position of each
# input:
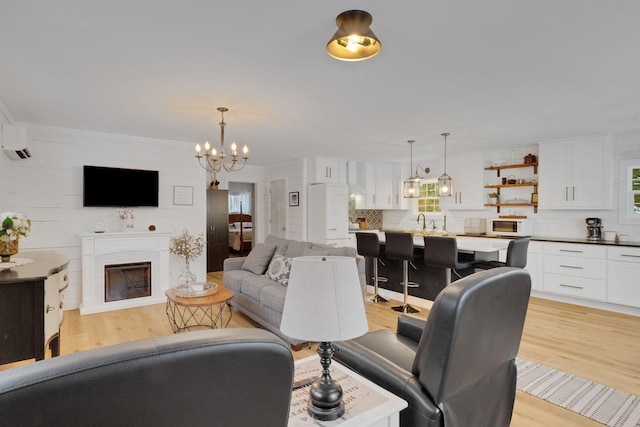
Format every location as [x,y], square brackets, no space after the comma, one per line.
[594,229]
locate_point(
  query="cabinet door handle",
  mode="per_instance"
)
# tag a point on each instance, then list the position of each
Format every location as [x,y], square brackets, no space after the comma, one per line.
[389,197]
[49,308]
[332,229]
[566,194]
[571,250]
[575,267]
[571,286]
[397,199]
[460,197]
[374,199]
[573,193]
[630,256]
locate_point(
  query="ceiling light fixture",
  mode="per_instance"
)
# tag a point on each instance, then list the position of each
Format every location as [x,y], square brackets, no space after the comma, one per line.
[412,185]
[444,181]
[354,40]
[214,160]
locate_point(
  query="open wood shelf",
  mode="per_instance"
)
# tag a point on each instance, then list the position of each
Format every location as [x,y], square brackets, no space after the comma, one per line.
[519,165]
[498,205]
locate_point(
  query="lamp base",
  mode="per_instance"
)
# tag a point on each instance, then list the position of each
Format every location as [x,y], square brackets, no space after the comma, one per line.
[326,402]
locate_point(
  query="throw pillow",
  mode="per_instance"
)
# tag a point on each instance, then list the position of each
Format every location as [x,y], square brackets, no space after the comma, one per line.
[258,259]
[279,269]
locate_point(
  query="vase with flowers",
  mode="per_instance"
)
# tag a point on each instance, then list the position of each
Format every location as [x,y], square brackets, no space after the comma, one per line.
[13,226]
[126,214]
[189,247]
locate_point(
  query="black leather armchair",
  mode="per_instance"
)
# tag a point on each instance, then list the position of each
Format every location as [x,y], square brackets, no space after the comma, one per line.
[457,368]
[224,377]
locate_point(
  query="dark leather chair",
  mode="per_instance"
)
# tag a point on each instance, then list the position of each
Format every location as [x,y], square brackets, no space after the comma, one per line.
[516,256]
[225,377]
[368,245]
[399,246]
[443,252]
[458,368]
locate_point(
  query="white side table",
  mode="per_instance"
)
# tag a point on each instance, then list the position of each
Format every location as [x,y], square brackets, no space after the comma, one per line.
[366,403]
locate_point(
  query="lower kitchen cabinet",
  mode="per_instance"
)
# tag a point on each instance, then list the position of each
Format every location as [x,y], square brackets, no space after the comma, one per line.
[535,264]
[575,270]
[623,276]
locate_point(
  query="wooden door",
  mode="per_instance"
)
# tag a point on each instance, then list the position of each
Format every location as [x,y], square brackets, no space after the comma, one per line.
[217,228]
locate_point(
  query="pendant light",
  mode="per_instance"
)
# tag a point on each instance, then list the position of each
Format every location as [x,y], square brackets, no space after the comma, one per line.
[412,185]
[444,181]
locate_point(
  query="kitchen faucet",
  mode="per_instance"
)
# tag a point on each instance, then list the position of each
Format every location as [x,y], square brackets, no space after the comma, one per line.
[433,224]
[424,221]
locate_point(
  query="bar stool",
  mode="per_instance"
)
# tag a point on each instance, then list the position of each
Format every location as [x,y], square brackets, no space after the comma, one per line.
[399,246]
[368,246]
[516,256]
[443,252]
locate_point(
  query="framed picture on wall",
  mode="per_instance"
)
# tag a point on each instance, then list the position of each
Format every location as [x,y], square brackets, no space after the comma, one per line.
[182,195]
[294,198]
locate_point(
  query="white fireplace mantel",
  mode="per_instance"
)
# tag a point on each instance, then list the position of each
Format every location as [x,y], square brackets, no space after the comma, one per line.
[100,249]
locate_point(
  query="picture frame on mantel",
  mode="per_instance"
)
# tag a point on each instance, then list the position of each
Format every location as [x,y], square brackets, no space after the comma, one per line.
[294,198]
[182,195]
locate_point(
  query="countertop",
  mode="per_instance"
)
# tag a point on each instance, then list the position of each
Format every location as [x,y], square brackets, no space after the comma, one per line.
[45,263]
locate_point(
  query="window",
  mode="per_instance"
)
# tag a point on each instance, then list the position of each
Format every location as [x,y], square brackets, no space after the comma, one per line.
[629,209]
[429,202]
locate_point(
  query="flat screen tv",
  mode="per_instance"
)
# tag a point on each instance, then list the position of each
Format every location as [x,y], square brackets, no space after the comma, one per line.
[116,187]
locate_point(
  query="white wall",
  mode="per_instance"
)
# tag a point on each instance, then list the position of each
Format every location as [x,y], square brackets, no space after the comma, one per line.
[6,196]
[295,175]
[48,189]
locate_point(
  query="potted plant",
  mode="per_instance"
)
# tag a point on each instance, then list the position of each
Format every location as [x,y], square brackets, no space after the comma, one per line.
[494,198]
[13,226]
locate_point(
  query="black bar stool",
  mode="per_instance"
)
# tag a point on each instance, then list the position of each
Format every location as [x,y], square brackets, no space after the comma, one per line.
[516,256]
[399,246]
[443,252]
[368,246]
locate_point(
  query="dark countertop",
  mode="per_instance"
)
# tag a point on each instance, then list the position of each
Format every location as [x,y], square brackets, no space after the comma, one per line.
[45,263]
[586,241]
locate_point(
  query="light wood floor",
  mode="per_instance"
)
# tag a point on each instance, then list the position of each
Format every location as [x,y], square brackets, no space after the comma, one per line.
[594,344]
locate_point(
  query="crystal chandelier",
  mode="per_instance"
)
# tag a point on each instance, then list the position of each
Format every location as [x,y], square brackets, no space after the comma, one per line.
[216,160]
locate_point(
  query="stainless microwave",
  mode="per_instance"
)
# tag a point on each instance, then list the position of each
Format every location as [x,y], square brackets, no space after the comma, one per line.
[510,227]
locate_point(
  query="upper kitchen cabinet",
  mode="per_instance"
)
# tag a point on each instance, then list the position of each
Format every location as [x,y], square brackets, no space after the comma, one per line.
[575,173]
[381,186]
[467,176]
[327,170]
[399,172]
[384,186]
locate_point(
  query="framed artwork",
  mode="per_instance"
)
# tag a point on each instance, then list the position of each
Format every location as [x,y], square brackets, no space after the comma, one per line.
[294,198]
[182,195]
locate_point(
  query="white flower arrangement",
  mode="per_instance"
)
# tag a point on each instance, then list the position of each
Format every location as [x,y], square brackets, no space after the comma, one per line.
[187,246]
[13,226]
[125,213]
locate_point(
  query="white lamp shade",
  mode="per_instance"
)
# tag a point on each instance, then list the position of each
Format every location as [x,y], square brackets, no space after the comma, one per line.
[324,300]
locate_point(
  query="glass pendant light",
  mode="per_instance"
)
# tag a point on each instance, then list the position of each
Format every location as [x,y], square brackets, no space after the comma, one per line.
[412,185]
[444,181]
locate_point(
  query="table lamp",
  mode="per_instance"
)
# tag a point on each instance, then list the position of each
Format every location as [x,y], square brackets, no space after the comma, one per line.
[324,303]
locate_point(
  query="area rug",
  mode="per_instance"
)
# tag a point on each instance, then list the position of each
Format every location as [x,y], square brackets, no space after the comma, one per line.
[595,401]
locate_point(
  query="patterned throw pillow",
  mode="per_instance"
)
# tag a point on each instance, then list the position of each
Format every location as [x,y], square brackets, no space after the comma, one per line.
[279,269]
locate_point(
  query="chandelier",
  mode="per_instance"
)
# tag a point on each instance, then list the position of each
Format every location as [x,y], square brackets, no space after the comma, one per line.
[216,160]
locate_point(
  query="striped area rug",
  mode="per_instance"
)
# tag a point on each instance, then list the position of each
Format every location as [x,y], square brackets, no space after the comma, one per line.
[600,403]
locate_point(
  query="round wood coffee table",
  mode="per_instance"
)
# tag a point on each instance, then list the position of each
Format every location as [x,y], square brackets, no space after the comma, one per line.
[186,313]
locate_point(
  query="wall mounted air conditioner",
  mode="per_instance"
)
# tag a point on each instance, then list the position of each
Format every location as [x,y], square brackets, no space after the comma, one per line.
[14,142]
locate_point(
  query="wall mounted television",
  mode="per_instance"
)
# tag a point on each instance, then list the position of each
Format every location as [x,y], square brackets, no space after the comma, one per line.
[117,187]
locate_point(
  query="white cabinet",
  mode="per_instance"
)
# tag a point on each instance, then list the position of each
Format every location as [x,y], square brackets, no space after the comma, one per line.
[576,270]
[382,184]
[623,275]
[398,174]
[535,265]
[327,170]
[328,213]
[53,287]
[575,174]
[467,176]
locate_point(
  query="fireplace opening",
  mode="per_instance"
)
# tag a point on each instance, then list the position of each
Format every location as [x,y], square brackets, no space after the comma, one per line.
[127,281]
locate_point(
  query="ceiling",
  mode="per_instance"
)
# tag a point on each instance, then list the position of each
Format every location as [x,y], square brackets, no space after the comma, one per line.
[493,73]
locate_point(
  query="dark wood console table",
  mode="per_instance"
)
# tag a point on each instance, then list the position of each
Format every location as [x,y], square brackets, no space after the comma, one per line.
[27,322]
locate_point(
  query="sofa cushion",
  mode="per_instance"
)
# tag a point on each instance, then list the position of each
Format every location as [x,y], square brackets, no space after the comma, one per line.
[273,297]
[258,259]
[253,285]
[279,268]
[281,244]
[233,279]
[295,248]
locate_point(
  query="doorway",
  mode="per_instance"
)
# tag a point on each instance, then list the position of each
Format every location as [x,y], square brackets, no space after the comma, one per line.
[242,224]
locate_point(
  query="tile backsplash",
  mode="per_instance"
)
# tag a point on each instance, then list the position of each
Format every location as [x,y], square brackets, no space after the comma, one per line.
[372,216]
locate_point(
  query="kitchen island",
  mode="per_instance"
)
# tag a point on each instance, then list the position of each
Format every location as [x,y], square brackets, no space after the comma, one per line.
[432,280]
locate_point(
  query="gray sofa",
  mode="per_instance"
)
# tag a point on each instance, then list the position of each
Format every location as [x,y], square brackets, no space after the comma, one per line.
[224,377]
[262,298]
